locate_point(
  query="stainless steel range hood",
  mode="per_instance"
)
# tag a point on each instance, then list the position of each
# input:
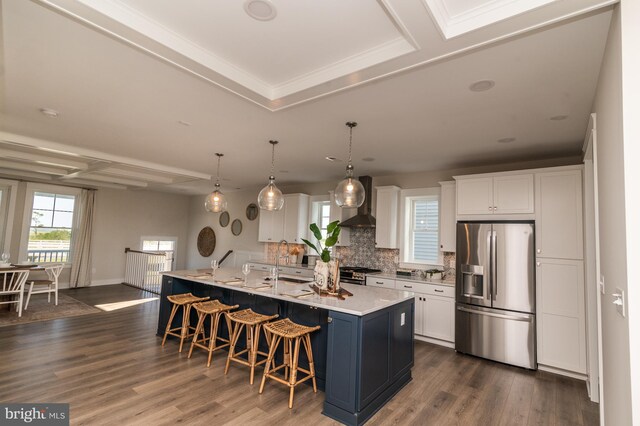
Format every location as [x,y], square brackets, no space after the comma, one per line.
[363,219]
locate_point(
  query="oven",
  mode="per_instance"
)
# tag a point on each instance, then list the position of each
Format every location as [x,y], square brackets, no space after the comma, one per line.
[355,274]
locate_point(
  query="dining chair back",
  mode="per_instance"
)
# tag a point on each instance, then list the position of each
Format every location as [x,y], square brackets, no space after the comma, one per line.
[12,285]
[46,286]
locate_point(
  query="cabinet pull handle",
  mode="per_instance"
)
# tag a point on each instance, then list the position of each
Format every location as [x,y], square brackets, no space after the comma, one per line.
[439,291]
[329,319]
[408,286]
[379,282]
[298,272]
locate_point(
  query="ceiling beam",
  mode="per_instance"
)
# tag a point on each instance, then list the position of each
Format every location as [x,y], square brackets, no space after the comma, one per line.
[113,171]
[87,182]
[22,174]
[93,167]
[42,159]
[109,179]
[30,167]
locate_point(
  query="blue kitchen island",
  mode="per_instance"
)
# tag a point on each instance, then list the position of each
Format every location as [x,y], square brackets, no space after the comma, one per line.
[363,352]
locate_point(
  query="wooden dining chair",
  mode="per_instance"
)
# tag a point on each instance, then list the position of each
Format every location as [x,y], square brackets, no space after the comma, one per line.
[12,284]
[46,286]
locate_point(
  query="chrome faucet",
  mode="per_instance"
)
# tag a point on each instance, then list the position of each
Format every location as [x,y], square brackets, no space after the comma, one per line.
[278,258]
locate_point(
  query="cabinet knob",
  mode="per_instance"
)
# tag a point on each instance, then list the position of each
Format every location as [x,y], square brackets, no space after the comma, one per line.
[539,251]
[495,208]
[537,263]
[490,208]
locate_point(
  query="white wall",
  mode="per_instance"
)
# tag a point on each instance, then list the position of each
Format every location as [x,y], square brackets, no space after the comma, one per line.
[617,183]
[247,241]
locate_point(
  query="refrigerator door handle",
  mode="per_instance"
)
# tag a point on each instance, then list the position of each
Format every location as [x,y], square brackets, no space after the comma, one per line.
[493,314]
[494,261]
[491,265]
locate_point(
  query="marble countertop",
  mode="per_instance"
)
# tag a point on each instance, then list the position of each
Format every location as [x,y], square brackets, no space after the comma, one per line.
[365,300]
[448,282]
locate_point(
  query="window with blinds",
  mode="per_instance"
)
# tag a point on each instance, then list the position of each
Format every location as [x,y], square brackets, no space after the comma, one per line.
[423,232]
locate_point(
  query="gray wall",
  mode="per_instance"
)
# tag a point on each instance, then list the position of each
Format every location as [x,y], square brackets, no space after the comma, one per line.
[616,213]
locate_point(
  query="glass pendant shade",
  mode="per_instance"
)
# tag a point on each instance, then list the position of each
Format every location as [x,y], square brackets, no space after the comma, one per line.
[349,192]
[215,202]
[270,198]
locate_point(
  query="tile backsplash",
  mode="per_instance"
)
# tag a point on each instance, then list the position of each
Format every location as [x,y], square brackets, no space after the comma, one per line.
[363,252]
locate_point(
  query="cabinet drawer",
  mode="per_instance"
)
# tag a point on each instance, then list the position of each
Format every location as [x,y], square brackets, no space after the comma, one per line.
[381,282]
[259,267]
[411,286]
[440,290]
[297,272]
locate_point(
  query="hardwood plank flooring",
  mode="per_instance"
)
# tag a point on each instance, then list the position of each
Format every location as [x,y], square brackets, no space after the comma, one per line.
[112,370]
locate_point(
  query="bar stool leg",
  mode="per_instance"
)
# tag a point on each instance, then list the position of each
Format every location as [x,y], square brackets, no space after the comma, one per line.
[312,370]
[199,327]
[275,340]
[184,332]
[294,371]
[253,353]
[234,339]
[173,314]
[213,336]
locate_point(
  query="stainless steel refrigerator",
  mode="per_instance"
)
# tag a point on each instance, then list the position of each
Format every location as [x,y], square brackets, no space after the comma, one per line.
[495,291]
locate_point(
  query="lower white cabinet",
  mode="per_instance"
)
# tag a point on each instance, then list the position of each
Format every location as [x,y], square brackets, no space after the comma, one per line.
[561,314]
[381,282]
[434,310]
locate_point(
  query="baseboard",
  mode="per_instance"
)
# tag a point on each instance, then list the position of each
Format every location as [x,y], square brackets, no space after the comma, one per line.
[562,372]
[97,283]
[434,341]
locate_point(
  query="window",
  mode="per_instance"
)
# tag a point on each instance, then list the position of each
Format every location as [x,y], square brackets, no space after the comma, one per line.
[161,244]
[421,210]
[49,223]
[321,215]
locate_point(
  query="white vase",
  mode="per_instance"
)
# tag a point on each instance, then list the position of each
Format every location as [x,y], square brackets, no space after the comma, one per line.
[321,274]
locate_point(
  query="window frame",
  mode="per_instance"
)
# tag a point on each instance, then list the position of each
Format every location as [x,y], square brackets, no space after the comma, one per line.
[407,196]
[162,238]
[314,211]
[32,188]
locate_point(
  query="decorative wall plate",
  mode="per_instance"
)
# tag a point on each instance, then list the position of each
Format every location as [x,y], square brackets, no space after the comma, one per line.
[236,227]
[224,219]
[206,241]
[252,211]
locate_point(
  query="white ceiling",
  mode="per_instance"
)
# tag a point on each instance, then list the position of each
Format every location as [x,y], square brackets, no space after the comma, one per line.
[121,92]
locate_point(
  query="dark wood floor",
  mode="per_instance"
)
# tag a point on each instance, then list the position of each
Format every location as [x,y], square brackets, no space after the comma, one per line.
[112,370]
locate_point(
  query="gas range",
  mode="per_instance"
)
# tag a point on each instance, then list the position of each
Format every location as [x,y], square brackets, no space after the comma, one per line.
[355,274]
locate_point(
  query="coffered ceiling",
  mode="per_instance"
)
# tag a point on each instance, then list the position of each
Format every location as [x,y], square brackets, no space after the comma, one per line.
[168,83]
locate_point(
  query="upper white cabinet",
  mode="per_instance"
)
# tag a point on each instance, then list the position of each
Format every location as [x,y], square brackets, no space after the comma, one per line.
[271,226]
[448,216]
[338,213]
[387,199]
[296,217]
[559,215]
[289,223]
[503,194]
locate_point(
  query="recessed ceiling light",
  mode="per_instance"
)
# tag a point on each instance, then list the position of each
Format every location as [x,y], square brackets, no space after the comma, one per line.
[184,123]
[368,159]
[559,117]
[482,85]
[51,113]
[262,10]
[506,140]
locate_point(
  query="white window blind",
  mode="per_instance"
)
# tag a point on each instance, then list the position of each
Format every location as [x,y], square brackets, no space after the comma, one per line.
[424,230]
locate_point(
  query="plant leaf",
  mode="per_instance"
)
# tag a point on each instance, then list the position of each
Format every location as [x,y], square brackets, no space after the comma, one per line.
[325,256]
[311,245]
[316,231]
[333,225]
[331,241]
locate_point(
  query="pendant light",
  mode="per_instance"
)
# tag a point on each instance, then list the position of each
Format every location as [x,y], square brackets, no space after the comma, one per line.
[216,202]
[349,192]
[270,198]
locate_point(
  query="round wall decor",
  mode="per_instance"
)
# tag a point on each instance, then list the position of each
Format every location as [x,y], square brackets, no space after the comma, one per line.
[224,219]
[206,241]
[236,227]
[252,211]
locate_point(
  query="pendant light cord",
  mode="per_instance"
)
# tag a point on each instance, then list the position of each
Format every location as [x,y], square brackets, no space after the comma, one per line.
[218,169]
[350,140]
[273,157]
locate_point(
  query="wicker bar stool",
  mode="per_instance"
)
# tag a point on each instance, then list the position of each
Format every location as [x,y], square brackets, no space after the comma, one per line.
[185,300]
[215,310]
[253,322]
[292,334]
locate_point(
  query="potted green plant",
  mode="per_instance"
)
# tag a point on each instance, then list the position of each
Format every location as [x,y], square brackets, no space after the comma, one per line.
[321,271]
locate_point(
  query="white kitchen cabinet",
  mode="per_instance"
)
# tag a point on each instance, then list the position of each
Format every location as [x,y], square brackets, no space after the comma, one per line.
[387,199]
[434,310]
[271,226]
[289,223]
[341,214]
[559,215]
[448,216]
[491,195]
[296,217]
[375,281]
[561,314]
